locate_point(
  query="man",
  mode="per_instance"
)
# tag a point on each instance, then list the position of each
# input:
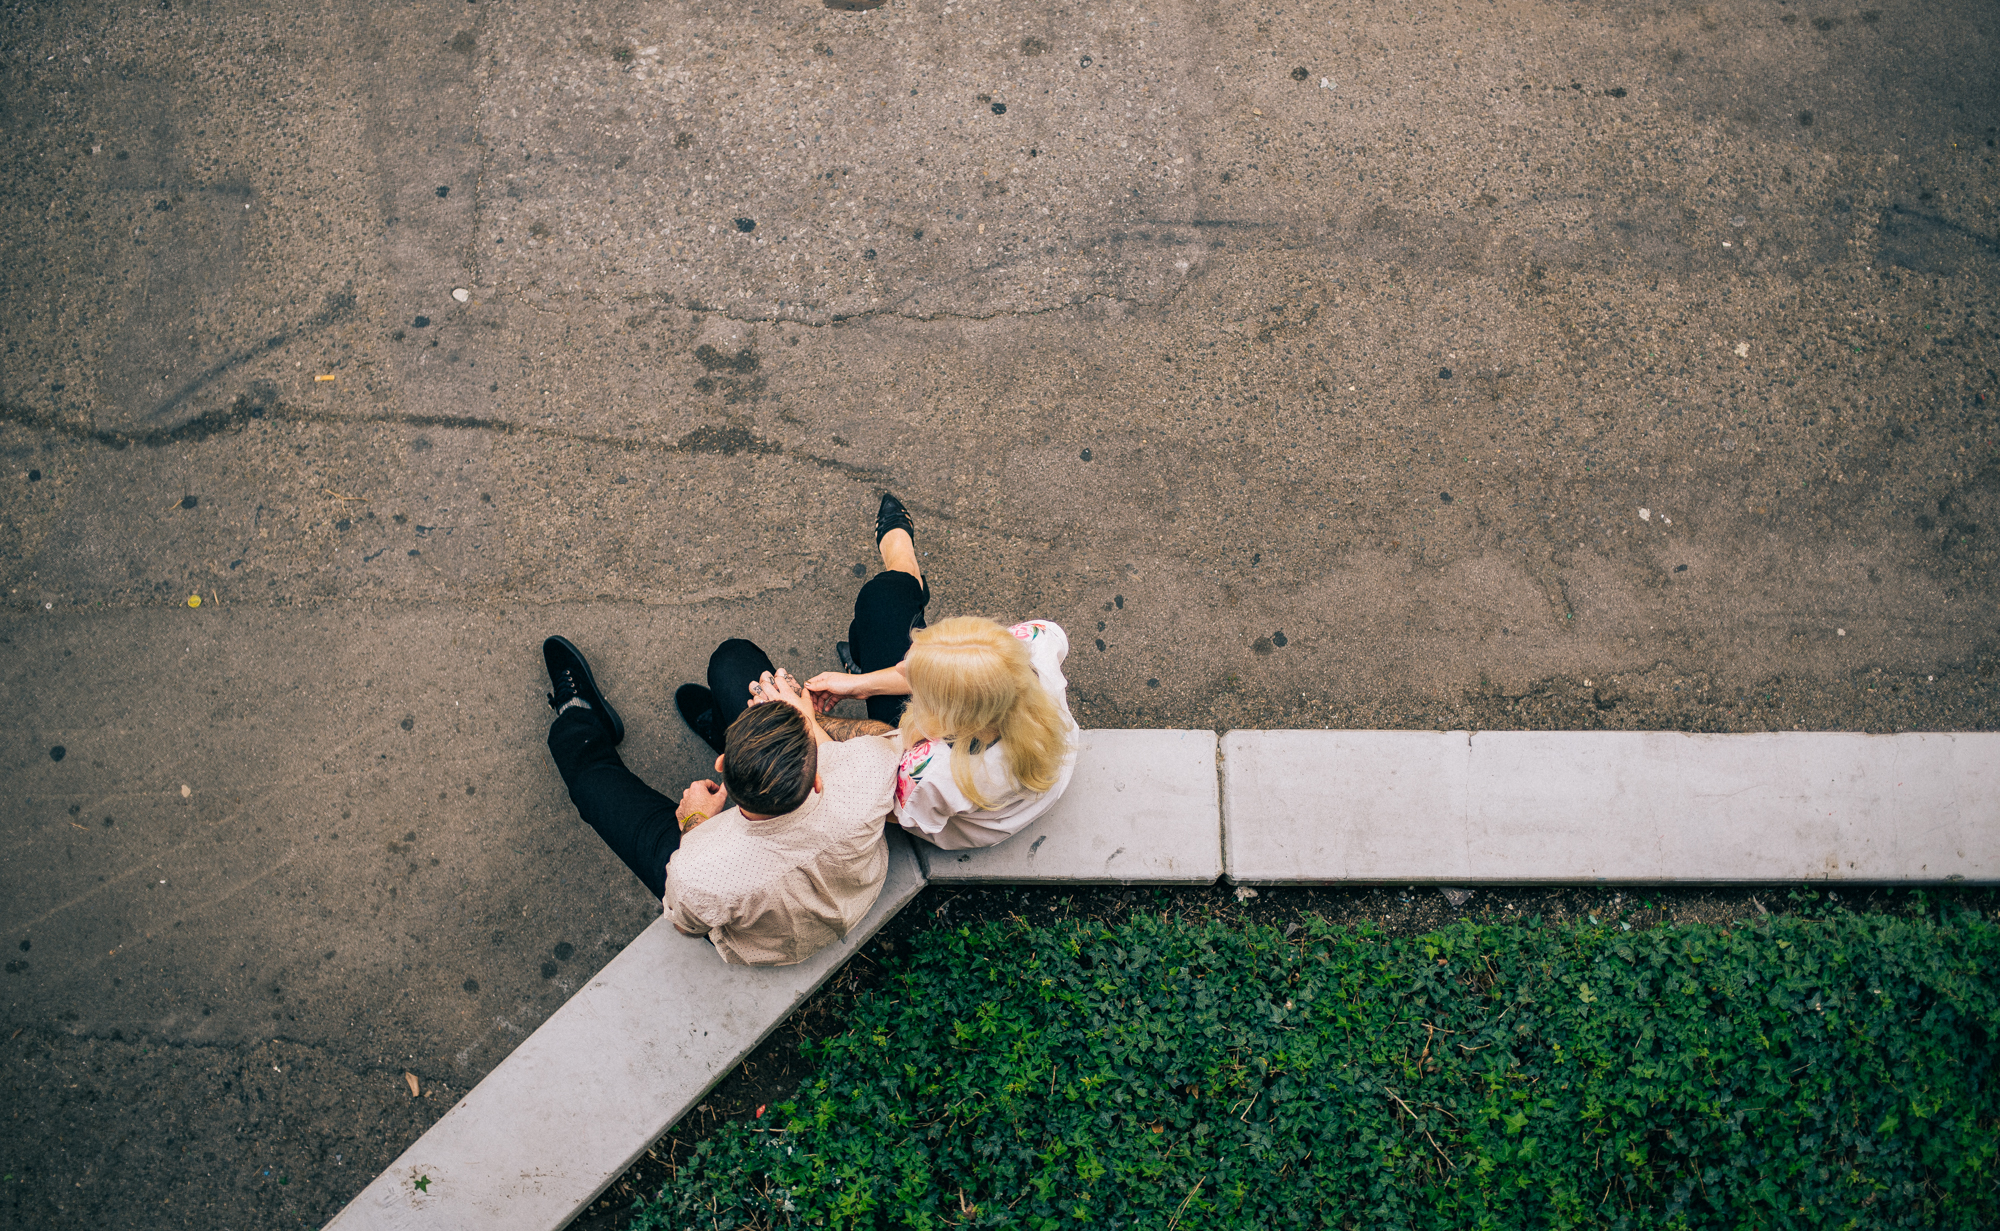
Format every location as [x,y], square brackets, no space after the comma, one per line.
[800,858]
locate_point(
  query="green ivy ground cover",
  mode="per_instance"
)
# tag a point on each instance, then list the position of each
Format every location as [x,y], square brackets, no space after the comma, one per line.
[1831,1072]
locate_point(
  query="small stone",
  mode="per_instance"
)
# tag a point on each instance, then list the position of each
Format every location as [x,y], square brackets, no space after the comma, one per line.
[1742,350]
[999,108]
[1645,514]
[1457,897]
[186,790]
[746,225]
[1244,893]
[461,294]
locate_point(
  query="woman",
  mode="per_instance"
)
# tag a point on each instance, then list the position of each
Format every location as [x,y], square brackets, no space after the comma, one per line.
[988,741]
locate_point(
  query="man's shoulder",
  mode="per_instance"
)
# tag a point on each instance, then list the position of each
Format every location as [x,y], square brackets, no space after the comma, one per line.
[862,754]
[718,836]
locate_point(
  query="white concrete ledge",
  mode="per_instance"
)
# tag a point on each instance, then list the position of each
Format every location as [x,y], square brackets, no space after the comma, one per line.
[1455,807]
[560,1119]
[596,1084]
[1142,809]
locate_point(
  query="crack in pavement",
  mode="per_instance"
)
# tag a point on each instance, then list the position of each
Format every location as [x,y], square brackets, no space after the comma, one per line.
[724,441]
[338,305]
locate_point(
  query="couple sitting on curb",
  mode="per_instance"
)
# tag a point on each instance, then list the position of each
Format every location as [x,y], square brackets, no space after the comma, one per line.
[968,738]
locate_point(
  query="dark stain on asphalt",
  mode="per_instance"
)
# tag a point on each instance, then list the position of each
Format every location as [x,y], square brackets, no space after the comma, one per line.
[714,360]
[726,441]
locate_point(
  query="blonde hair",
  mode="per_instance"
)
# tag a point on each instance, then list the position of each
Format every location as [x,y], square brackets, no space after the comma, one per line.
[969,676]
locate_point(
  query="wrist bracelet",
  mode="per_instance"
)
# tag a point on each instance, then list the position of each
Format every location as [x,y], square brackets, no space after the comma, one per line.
[691,819]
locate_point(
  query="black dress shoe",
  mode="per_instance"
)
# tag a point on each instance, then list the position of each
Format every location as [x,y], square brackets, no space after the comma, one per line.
[845,653]
[569,676]
[697,708]
[893,516]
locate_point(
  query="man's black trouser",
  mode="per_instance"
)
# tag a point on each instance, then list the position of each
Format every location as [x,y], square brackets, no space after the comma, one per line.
[636,821]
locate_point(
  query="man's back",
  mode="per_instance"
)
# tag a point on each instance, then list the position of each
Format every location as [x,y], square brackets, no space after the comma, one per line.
[776,890]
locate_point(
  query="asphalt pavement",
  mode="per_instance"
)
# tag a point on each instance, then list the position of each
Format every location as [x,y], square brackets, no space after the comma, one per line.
[1515,365]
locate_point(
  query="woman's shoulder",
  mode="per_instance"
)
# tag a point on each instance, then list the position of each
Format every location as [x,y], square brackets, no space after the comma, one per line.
[1042,635]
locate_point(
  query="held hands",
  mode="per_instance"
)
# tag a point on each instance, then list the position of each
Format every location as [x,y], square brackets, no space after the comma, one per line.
[829,688]
[783,688]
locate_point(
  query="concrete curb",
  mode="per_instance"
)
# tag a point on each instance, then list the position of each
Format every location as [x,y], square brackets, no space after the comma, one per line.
[534,1143]
[563,1116]
[1524,807]
[1142,809]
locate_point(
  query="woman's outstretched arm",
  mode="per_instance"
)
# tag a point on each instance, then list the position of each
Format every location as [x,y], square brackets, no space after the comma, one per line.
[834,685]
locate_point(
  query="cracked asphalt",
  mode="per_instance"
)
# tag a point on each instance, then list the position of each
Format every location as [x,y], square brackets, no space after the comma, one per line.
[1514,365]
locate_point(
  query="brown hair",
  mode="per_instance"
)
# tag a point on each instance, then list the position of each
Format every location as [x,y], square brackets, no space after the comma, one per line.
[769,759]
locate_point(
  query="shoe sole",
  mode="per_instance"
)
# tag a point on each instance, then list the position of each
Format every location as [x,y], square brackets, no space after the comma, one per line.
[592,693]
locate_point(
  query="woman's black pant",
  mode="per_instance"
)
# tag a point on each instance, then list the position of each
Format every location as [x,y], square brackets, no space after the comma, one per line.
[886,611]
